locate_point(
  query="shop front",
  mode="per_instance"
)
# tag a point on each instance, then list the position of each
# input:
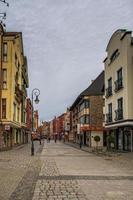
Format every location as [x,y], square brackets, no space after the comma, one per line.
[7,137]
[123,138]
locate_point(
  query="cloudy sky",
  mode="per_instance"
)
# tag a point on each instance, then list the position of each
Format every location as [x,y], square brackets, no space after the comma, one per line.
[65,42]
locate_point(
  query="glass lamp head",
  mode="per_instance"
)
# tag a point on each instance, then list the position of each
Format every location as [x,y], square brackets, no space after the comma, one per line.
[36,100]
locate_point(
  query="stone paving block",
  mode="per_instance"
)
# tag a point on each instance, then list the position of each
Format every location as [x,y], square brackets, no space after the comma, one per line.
[54,176]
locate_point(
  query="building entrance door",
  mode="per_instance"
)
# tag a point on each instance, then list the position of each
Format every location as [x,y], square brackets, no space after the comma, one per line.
[127,141]
[84,138]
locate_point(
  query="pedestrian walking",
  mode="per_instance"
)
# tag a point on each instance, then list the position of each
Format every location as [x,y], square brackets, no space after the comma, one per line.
[81,141]
[40,139]
[49,139]
[55,138]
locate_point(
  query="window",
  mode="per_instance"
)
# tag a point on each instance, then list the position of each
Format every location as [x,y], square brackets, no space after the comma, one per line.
[24,117]
[16,77]
[18,66]
[109,89]
[103,117]
[110,82]
[4,79]
[16,59]
[3,108]
[109,115]
[85,104]
[110,108]
[14,114]
[103,101]
[18,111]
[85,119]
[120,104]
[114,55]
[119,81]
[119,111]
[5,49]
[119,74]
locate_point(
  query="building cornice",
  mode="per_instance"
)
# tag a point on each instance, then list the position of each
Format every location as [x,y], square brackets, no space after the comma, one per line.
[127,122]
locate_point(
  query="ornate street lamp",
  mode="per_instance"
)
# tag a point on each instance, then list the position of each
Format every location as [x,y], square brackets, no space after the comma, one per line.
[2,17]
[4,1]
[35,93]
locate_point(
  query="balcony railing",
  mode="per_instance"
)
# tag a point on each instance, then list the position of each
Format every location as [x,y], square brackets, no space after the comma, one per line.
[118,114]
[108,92]
[118,84]
[108,117]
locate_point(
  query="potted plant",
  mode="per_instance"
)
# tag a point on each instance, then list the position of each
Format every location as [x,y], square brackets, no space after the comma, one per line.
[97,139]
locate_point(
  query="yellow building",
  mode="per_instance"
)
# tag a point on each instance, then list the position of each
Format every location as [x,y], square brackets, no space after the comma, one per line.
[13,95]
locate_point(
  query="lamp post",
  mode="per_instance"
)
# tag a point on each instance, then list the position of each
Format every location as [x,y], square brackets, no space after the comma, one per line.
[81,136]
[35,93]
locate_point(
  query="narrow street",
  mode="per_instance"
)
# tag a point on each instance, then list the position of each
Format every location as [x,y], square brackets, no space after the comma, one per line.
[59,171]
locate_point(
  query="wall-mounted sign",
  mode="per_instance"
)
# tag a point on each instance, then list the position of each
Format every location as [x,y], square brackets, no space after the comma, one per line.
[7,127]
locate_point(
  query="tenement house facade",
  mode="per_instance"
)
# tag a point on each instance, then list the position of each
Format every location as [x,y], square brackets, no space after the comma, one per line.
[87,114]
[13,95]
[119,89]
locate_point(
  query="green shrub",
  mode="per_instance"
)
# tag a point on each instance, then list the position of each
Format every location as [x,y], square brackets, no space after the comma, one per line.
[97,138]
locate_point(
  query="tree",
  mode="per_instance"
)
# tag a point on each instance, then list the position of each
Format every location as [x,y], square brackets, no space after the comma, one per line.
[97,139]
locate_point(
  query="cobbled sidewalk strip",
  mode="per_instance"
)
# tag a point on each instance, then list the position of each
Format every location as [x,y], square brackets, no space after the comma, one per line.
[49,168]
[26,187]
[58,190]
[49,187]
[75,177]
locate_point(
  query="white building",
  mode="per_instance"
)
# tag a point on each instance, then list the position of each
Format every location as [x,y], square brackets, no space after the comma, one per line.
[119,89]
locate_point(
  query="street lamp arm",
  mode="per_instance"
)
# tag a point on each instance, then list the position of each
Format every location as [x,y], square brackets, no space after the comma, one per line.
[4,1]
[35,92]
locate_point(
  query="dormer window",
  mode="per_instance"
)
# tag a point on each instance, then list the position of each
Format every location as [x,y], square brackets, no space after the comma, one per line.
[114,55]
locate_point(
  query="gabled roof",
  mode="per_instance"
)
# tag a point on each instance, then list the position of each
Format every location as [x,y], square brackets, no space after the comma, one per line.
[122,32]
[95,89]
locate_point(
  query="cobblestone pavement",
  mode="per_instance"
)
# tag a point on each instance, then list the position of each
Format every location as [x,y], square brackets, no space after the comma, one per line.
[61,172]
[17,167]
[69,173]
[49,168]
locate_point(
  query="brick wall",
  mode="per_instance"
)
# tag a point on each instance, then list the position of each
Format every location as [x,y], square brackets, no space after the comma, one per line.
[96,111]
[29,114]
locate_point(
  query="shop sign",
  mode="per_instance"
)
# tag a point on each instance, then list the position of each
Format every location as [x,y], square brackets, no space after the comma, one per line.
[7,127]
